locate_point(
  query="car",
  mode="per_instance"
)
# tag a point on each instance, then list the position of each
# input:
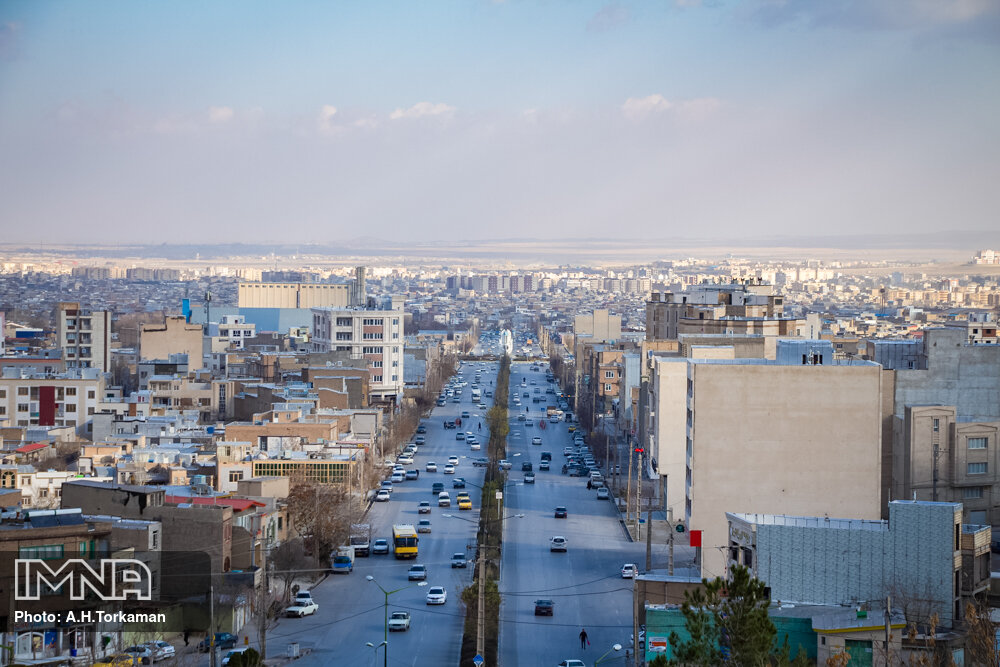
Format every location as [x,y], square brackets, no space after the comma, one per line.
[480,463]
[536,440]
[424,526]
[460,435]
[300,609]
[546,456]
[544,465]
[458,483]
[572,663]
[458,560]
[437,595]
[405,459]
[505,464]
[437,487]
[117,660]
[422,429]
[465,414]
[142,654]
[629,570]
[424,507]
[526,466]
[398,476]
[557,543]
[420,440]
[223,640]
[382,496]
[399,621]
[161,650]
[440,402]
[303,596]
[544,607]
[380,546]
[413,474]
[449,469]
[453,460]
[603,493]
[387,485]
[475,447]
[444,500]
[529,478]
[431,467]
[561,512]
[571,428]
[464,503]
[449,424]
[417,573]
[234,652]
[521,418]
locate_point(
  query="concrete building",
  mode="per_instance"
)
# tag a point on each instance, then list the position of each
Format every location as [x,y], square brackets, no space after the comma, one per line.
[293,295]
[40,399]
[599,325]
[916,557]
[235,331]
[84,336]
[728,308]
[174,336]
[373,334]
[758,436]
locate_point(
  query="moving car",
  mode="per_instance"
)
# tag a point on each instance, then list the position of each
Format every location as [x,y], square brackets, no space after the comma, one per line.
[437,595]
[300,609]
[526,466]
[453,460]
[223,640]
[399,621]
[431,467]
[529,478]
[424,526]
[536,440]
[458,483]
[424,507]
[382,496]
[458,560]
[380,546]
[572,663]
[557,543]
[437,487]
[505,464]
[629,570]
[449,469]
[412,474]
[444,500]
[422,429]
[561,512]
[417,573]
[544,465]
[544,607]
[398,476]
[464,501]
[420,440]
[460,435]
[603,493]
[480,463]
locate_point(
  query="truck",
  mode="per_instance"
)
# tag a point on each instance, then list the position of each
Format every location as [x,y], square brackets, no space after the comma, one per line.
[476,395]
[551,410]
[343,560]
[361,537]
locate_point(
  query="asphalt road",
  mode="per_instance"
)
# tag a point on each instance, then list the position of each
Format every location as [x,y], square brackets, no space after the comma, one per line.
[351,609]
[585,582]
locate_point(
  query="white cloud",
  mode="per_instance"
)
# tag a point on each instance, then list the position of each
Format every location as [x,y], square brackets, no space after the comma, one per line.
[637,108]
[421,109]
[220,114]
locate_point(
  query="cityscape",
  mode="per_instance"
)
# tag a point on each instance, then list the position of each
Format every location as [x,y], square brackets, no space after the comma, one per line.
[500,332]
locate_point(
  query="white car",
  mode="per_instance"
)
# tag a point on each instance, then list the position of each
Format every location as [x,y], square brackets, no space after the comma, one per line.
[232,652]
[300,609]
[399,621]
[437,595]
[453,460]
[475,447]
[572,663]
[629,570]
[431,467]
[449,470]
[603,493]
[536,440]
[405,459]
[557,543]
[382,496]
[161,650]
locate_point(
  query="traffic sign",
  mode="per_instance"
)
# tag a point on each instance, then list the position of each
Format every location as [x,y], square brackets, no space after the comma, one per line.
[478,660]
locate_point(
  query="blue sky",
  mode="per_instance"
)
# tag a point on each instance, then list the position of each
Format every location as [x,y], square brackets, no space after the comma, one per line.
[187,121]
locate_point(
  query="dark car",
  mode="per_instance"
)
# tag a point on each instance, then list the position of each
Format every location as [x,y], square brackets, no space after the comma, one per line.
[458,483]
[437,488]
[546,456]
[449,424]
[544,607]
[561,512]
[421,429]
[223,640]
[526,466]
[480,463]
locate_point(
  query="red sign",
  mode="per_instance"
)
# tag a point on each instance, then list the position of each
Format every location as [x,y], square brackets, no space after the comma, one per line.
[695,536]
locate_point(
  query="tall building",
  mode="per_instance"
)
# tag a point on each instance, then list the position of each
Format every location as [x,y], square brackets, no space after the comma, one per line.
[759,436]
[749,307]
[374,334]
[293,295]
[84,336]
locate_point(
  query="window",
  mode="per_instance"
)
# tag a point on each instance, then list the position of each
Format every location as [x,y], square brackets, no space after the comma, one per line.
[376,364]
[71,391]
[977,443]
[977,469]
[3,409]
[937,425]
[372,336]
[344,321]
[371,350]
[972,493]
[378,379]
[395,378]
[70,407]
[372,322]
[91,394]
[3,393]
[45,552]
[608,387]
[22,407]
[609,374]
[235,475]
[22,391]
[343,335]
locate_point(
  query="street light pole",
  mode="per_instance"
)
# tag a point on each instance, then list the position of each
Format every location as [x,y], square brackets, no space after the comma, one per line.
[385,627]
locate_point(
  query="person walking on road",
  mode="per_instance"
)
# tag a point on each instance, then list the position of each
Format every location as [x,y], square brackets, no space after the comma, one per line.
[583,639]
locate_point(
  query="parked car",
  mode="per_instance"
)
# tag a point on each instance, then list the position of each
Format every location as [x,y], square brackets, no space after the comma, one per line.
[117,660]
[300,609]
[399,621]
[603,493]
[161,650]
[417,573]
[382,496]
[380,546]
[557,543]
[422,429]
[420,440]
[572,663]
[544,607]
[143,654]
[398,476]
[234,652]
[437,595]
[458,560]
[405,459]
[223,640]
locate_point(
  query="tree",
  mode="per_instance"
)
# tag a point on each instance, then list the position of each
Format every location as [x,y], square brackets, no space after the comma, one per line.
[726,618]
[323,513]
[981,635]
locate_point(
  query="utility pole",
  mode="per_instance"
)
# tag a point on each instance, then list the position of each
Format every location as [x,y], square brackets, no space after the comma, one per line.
[628,487]
[670,541]
[888,628]
[211,624]
[481,620]
[649,538]
[937,453]
[638,497]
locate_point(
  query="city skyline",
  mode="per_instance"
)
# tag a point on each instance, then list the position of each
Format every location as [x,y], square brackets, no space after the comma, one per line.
[143,124]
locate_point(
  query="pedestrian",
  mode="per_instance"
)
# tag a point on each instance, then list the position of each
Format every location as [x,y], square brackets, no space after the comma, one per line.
[187,634]
[584,642]
[480,426]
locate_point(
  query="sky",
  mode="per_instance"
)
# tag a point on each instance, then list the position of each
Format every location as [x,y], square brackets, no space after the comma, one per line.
[313,122]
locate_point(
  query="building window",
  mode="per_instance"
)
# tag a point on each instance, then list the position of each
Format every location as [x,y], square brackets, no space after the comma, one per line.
[372,322]
[344,321]
[91,394]
[977,469]
[235,475]
[376,364]
[71,391]
[977,443]
[22,391]
[343,335]
[609,374]
[937,425]
[395,378]
[3,393]
[378,379]
[372,336]
[972,493]
[608,387]
[45,552]
[22,407]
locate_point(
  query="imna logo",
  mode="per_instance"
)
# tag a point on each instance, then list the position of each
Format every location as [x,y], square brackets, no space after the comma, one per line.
[116,579]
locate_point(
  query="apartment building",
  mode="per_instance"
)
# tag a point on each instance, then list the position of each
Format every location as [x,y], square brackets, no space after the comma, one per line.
[194,392]
[84,336]
[756,435]
[28,398]
[749,307]
[375,335]
[235,331]
[174,336]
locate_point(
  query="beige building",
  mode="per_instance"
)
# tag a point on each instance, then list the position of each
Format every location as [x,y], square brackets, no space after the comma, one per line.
[174,336]
[751,435]
[732,308]
[84,336]
[599,325]
[173,393]
[42,399]
[293,295]
[937,457]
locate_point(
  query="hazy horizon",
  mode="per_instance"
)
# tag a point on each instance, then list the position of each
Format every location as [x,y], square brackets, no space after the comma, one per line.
[461,122]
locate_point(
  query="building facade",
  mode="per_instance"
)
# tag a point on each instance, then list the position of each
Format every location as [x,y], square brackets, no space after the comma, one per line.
[84,336]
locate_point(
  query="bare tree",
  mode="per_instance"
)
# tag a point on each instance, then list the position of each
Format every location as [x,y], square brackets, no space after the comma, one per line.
[322,514]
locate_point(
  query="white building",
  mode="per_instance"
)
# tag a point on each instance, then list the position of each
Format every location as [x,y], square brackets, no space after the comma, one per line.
[84,336]
[373,334]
